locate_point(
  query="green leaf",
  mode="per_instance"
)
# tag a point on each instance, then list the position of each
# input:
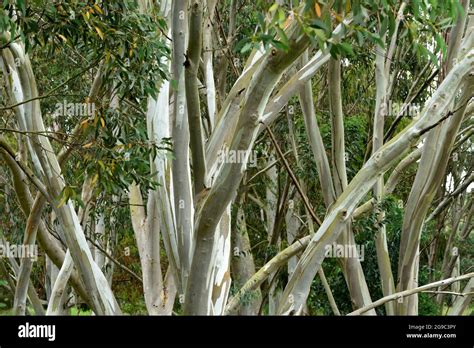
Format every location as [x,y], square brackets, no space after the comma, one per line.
[384,26]
[320,34]
[279,45]
[238,47]
[347,48]
[334,51]
[283,37]
[360,37]
[376,38]
[319,24]
[459,9]
[416,8]
[441,44]
[247,47]
[273,8]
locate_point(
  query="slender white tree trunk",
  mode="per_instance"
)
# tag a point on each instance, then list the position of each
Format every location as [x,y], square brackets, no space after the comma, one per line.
[101,295]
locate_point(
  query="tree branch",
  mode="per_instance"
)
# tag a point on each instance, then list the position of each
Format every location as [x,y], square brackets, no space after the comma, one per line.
[410,292]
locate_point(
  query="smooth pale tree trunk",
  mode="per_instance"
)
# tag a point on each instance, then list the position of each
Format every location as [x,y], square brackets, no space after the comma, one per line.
[59,293]
[456,236]
[59,298]
[224,56]
[100,238]
[26,264]
[108,240]
[332,301]
[51,273]
[392,181]
[293,225]
[436,150]
[191,66]
[159,292]
[100,293]
[411,292]
[163,213]
[159,128]
[354,278]
[221,272]
[456,287]
[381,102]
[384,84]
[51,246]
[351,266]
[436,107]
[271,210]
[31,291]
[225,186]
[298,80]
[37,207]
[462,302]
[271,199]
[447,200]
[207,57]
[279,260]
[315,139]
[227,117]
[242,262]
[181,172]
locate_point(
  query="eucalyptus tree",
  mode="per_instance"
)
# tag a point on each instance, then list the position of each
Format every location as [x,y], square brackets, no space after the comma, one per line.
[20,33]
[188,133]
